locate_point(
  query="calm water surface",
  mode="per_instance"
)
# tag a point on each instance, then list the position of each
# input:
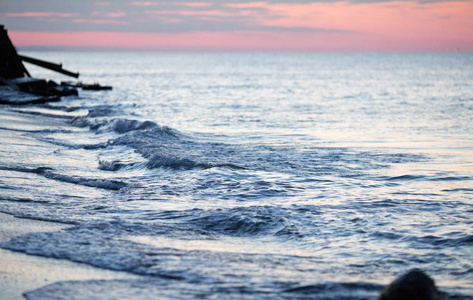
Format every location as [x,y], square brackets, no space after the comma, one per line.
[249,176]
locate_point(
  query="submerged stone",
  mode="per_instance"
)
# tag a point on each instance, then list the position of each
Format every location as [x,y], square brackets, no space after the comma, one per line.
[414,285]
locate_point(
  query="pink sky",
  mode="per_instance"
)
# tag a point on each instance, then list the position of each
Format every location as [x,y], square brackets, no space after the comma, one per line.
[337,26]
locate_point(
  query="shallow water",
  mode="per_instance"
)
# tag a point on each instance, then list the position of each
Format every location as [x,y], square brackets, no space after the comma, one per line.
[249,176]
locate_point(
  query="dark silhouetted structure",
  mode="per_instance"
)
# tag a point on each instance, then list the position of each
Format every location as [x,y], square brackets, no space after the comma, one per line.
[10,63]
[16,84]
[18,87]
[414,285]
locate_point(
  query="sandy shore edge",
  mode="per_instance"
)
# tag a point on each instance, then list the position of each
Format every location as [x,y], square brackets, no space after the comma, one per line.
[21,272]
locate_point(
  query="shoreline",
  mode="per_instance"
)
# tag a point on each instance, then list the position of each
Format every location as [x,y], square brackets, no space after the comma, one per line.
[21,272]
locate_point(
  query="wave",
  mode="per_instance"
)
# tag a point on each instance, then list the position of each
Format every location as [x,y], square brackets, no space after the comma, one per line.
[120,125]
[460,239]
[102,245]
[453,239]
[175,289]
[433,177]
[80,244]
[466,190]
[162,161]
[336,290]
[90,182]
[246,221]
[110,165]
[98,183]
[151,288]
[49,130]
[165,147]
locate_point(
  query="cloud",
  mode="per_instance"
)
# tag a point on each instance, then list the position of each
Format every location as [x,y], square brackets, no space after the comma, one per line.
[216,13]
[312,25]
[40,14]
[195,4]
[399,19]
[116,15]
[247,5]
[99,21]
[144,3]
[101,3]
[120,14]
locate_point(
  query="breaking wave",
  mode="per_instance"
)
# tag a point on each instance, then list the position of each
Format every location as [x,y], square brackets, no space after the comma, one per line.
[90,182]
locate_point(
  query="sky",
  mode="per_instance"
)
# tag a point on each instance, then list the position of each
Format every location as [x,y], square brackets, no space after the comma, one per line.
[241,25]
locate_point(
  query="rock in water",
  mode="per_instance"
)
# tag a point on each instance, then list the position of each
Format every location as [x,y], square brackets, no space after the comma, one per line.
[414,285]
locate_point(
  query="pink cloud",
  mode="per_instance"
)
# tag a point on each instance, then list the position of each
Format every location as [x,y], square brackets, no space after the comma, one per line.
[388,18]
[384,27]
[109,14]
[99,21]
[216,12]
[248,5]
[41,14]
[143,3]
[188,4]
[194,4]
[116,15]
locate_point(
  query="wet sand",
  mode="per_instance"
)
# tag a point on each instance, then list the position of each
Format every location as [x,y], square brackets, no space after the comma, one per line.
[20,272]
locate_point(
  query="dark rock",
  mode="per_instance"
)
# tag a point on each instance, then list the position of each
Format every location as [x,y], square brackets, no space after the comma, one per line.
[414,285]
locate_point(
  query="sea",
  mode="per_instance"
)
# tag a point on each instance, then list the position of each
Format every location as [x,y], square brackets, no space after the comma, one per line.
[248,175]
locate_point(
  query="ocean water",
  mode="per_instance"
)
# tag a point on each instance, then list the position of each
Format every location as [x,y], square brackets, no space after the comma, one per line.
[248,176]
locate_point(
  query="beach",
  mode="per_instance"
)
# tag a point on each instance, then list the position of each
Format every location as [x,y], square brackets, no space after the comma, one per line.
[240,176]
[21,272]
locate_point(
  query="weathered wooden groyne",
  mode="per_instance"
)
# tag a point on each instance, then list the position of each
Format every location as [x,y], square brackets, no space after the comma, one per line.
[18,87]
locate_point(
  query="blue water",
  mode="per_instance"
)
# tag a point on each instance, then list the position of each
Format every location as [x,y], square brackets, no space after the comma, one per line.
[249,176]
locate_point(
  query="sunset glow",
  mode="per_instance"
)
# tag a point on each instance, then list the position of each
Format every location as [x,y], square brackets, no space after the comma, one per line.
[337,26]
